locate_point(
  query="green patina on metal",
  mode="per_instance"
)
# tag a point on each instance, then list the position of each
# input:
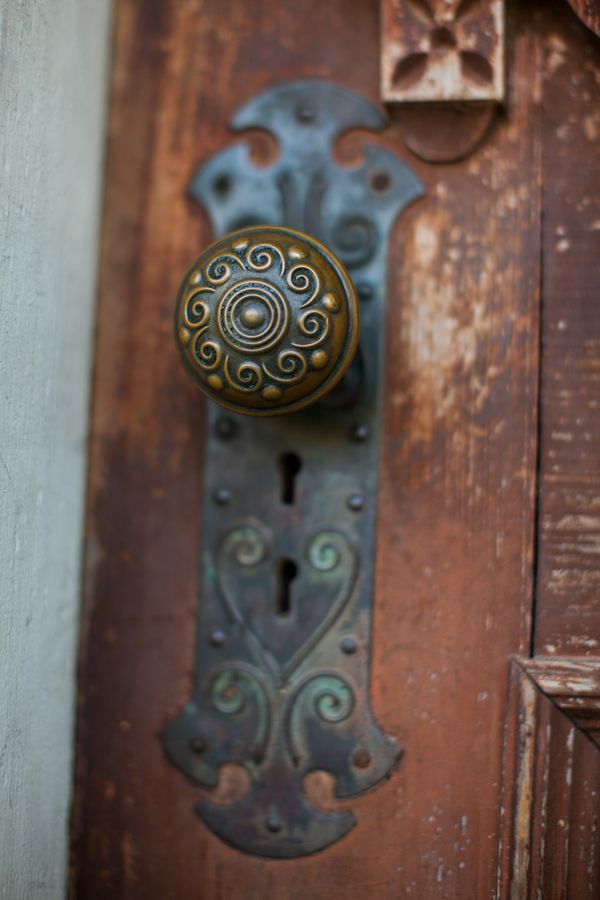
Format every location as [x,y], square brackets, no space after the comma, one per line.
[284,618]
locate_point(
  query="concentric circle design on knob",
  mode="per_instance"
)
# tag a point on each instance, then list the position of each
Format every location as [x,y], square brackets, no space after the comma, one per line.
[267,320]
[252,316]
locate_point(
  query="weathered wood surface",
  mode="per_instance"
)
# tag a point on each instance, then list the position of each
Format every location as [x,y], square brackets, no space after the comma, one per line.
[574,685]
[458,470]
[551,801]
[568,591]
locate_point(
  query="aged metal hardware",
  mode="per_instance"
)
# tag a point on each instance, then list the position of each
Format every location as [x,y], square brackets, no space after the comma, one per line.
[284,621]
[267,321]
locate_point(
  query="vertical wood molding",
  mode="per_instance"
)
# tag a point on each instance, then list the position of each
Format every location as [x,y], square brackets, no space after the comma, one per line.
[54,62]
[567,608]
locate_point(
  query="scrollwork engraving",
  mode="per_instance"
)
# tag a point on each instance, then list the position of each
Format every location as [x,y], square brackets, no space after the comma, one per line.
[231,690]
[207,353]
[260,257]
[291,367]
[219,269]
[355,238]
[327,696]
[254,312]
[246,544]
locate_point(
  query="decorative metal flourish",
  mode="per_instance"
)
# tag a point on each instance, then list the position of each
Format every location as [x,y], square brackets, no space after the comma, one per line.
[284,620]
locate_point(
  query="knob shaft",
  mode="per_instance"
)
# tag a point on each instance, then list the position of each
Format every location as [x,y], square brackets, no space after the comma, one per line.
[267,321]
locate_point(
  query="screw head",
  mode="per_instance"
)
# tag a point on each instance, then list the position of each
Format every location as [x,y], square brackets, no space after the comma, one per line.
[225,428]
[222,496]
[305,114]
[217,637]
[273,823]
[349,645]
[359,433]
[364,290]
[361,758]
[380,181]
[355,502]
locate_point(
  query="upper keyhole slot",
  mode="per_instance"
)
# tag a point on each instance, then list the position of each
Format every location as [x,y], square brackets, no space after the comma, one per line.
[289,466]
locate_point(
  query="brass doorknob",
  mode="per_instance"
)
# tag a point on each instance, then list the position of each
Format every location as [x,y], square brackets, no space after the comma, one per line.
[267,321]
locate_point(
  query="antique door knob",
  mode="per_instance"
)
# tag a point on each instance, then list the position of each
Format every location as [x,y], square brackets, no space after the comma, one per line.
[267,321]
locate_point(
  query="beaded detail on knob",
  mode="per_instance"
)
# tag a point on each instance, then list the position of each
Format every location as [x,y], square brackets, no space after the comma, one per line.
[267,321]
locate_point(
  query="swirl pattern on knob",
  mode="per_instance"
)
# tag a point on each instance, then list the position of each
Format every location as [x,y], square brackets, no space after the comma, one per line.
[267,320]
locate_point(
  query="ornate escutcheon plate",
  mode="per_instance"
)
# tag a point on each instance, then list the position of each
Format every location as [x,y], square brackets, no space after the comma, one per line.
[284,620]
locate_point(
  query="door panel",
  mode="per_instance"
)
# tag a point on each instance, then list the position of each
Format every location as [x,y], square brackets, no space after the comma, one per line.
[568,611]
[457,509]
[550,810]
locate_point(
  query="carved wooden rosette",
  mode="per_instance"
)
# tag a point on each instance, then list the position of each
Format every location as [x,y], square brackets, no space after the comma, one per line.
[438,51]
[442,65]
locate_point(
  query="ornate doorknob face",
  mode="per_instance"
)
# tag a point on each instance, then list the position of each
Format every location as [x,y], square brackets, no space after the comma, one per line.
[267,321]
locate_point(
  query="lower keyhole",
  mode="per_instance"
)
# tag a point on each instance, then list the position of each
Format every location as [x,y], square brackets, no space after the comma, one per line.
[289,466]
[286,572]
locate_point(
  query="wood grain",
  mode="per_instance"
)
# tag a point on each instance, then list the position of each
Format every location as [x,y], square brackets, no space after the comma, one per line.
[458,471]
[573,683]
[551,814]
[568,592]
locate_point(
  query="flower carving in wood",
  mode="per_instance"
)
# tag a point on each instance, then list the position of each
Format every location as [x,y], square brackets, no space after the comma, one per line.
[439,50]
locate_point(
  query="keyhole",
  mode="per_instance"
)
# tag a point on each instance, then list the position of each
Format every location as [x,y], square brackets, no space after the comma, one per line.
[289,465]
[286,572]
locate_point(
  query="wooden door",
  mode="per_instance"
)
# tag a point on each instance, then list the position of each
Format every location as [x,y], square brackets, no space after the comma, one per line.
[486,658]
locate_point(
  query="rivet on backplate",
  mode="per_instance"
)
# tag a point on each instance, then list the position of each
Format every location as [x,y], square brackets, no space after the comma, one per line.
[349,645]
[222,496]
[216,637]
[356,502]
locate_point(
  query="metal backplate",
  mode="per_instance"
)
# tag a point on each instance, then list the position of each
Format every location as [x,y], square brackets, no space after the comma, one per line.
[284,619]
